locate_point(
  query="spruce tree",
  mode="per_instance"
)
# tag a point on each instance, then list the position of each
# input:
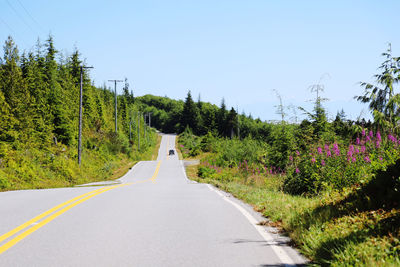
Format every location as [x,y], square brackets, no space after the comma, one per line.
[190,114]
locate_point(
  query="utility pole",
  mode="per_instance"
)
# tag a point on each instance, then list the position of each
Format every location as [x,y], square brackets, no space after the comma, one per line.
[150,119]
[138,131]
[80,116]
[115,88]
[238,127]
[144,125]
[149,116]
[130,126]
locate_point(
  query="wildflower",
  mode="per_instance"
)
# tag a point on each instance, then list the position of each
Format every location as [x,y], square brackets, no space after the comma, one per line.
[336,149]
[297,170]
[328,153]
[357,150]
[362,149]
[291,158]
[371,134]
[313,160]
[367,159]
[358,141]
[323,162]
[380,158]
[353,160]
[297,153]
[368,139]
[326,148]
[350,153]
[378,136]
[363,132]
[319,150]
[378,145]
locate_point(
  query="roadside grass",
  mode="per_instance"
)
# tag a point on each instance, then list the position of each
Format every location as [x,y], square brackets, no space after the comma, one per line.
[126,164]
[347,228]
[178,150]
[156,148]
[57,166]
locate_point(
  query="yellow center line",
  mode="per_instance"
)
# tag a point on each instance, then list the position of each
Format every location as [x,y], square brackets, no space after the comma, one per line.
[67,206]
[153,179]
[44,214]
[167,152]
[21,236]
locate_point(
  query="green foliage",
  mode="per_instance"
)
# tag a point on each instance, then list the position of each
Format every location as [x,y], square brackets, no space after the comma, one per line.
[383,102]
[337,166]
[190,114]
[39,105]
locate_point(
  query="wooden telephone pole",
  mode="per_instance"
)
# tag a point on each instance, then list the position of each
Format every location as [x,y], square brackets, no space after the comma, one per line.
[115,89]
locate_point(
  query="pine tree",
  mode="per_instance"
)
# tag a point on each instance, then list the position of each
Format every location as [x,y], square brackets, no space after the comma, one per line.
[221,119]
[190,114]
[15,91]
[232,122]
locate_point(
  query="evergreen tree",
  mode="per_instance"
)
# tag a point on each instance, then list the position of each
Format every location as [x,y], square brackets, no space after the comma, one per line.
[221,119]
[232,122]
[383,102]
[190,114]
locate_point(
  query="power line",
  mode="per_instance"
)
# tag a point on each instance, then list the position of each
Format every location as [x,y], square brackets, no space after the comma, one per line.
[16,12]
[32,18]
[8,26]
[11,30]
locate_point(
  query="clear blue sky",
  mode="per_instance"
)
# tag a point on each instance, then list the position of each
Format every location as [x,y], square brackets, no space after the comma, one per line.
[239,50]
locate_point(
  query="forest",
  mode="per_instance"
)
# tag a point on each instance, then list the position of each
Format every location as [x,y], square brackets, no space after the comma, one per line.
[39,101]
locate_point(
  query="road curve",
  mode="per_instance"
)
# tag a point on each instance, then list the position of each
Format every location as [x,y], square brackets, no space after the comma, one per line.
[153,217]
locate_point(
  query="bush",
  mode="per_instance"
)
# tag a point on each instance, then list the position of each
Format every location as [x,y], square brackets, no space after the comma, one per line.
[339,165]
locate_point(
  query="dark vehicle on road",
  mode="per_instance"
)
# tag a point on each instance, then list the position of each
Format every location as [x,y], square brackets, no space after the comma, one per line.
[171,152]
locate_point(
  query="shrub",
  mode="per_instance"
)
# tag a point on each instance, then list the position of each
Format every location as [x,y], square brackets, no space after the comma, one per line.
[339,165]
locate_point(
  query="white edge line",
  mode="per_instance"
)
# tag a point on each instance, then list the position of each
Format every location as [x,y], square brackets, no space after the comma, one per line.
[131,170]
[184,174]
[282,255]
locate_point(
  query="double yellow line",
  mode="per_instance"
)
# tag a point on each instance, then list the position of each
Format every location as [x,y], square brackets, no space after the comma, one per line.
[35,223]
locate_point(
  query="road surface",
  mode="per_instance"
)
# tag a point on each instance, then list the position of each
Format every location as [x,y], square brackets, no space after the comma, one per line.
[153,217]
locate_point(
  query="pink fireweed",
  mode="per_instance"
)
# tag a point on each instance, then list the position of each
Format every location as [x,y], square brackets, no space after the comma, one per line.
[319,150]
[326,148]
[367,159]
[363,132]
[392,138]
[291,158]
[368,139]
[323,162]
[313,160]
[328,153]
[297,153]
[378,145]
[371,134]
[358,141]
[378,136]
[362,149]
[353,160]
[297,170]
[336,149]
[350,152]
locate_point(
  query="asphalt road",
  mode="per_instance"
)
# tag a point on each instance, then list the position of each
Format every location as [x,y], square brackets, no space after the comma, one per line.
[153,217]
